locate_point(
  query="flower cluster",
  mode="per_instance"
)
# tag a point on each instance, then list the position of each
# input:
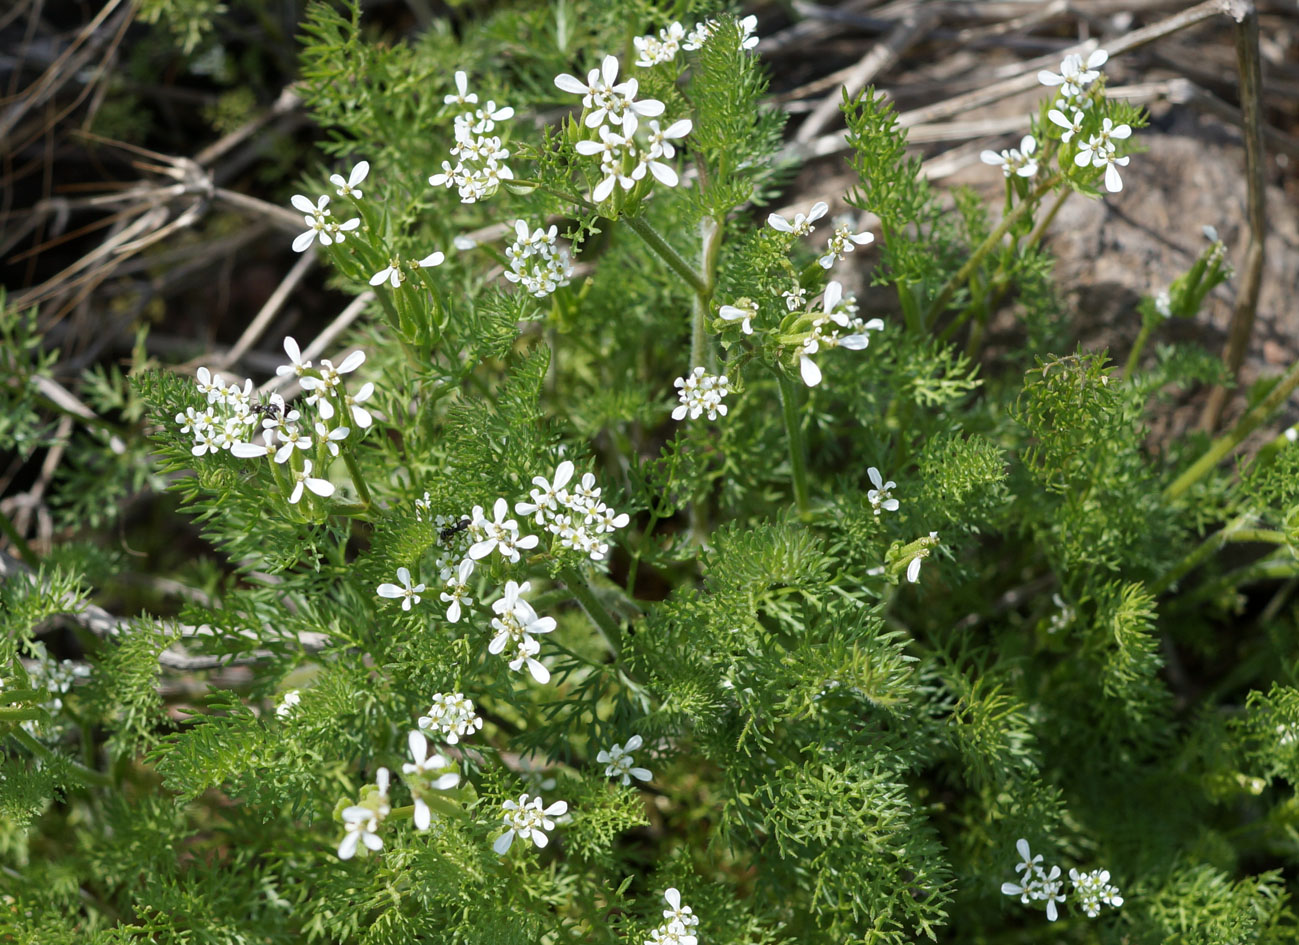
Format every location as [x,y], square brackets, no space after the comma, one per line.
[627,149]
[232,415]
[802,224]
[1014,162]
[825,332]
[618,762]
[529,820]
[516,625]
[1069,113]
[1092,890]
[480,155]
[287,704]
[843,240]
[452,716]
[56,677]
[321,224]
[701,392]
[1037,884]
[578,518]
[655,50]
[679,923]
[536,261]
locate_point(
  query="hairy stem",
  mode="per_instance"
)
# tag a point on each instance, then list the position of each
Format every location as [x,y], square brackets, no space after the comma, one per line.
[669,255]
[358,479]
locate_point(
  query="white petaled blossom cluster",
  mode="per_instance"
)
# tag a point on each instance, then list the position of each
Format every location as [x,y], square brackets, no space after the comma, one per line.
[479,154]
[837,326]
[232,416]
[802,223]
[395,273]
[528,820]
[517,625]
[655,50]
[627,149]
[1093,890]
[288,703]
[679,923]
[843,240]
[881,497]
[619,763]
[536,261]
[578,518]
[1035,883]
[321,224]
[1014,162]
[452,716]
[1069,113]
[700,393]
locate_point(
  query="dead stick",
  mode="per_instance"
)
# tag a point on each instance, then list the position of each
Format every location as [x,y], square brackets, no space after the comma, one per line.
[881,56]
[1242,319]
[268,311]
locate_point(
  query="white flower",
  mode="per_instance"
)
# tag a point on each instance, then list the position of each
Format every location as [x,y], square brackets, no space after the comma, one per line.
[452,715]
[291,437]
[880,497]
[462,94]
[458,587]
[331,438]
[347,188]
[663,48]
[1093,889]
[516,624]
[528,820]
[1028,862]
[913,569]
[705,29]
[618,762]
[537,261]
[287,703]
[1015,161]
[319,223]
[826,332]
[423,771]
[360,416]
[1071,126]
[802,224]
[701,393]
[1210,233]
[660,145]
[303,477]
[1075,74]
[408,592]
[297,366]
[843,241]
[548,496]
[1164,303]
[676,913]
[501,534]
[330,376]
[1113,182]
[604,100]
[795,298]
[746,309]
[361,821]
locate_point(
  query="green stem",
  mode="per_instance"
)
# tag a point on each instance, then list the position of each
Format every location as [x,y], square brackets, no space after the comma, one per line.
[20,545]
[1269,535]
[669,255]
[640,547]
[962,275]
[358,479]
[603,621]
[1233,437]
[88,776]
[1137,346]
[21,713]
[1200,553]
[797,449]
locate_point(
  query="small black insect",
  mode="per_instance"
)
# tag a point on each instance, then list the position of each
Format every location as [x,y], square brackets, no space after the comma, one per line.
[450,532]
[270,410]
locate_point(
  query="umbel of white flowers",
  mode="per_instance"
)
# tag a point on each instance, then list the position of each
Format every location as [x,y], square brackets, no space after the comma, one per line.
[1035,883]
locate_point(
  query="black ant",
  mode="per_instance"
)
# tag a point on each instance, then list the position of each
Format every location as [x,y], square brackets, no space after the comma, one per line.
[270,410]
[450,532]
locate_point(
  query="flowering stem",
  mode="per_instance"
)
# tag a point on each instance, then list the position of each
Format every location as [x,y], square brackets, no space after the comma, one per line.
[963,274]
[1200,554]
[1232,438]
[794,434]
[354,469]
[88,776]
[669,255]
[604,623]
